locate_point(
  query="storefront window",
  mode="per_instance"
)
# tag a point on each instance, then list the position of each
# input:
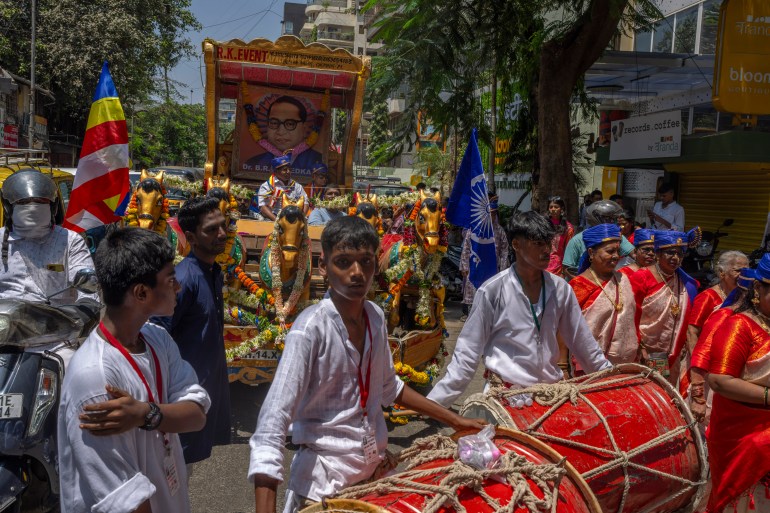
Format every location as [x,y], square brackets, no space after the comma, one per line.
[704,120]
[709,26]
[642,41]
[663,38]
[686,28]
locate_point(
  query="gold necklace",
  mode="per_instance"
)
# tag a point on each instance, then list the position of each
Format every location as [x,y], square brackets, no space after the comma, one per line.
[761,318]
[675,308]
[721,292]
[619,305]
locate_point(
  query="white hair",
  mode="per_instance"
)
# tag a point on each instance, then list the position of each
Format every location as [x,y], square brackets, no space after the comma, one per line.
[728,258]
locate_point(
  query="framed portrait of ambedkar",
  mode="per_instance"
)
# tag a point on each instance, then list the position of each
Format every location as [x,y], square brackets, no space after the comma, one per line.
[271,122]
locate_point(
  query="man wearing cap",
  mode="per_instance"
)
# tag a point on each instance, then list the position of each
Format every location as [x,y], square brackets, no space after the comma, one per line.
[501,249]
[316,189]
[269,199]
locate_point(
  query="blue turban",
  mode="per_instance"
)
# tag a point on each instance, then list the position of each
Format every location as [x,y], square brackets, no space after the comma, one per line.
[643,236]
[282,160]
[320,167]
[745,280]
[594,236]
[668,239]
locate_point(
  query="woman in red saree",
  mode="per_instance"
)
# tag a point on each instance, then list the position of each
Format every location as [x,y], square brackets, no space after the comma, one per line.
[557,209]
[665,294]
[605,296]
[739,432]
[644,256]
[706,303]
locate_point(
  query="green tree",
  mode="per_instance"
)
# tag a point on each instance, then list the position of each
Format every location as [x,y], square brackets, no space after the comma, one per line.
[437,166]
[169,134]
[378,134]
[142,40]
[340,121]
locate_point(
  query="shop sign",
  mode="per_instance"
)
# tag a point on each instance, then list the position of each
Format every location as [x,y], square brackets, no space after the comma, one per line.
[9,136]
[742,61]
[647,137]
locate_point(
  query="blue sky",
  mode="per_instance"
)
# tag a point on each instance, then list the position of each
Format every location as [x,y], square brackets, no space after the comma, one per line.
[224,20]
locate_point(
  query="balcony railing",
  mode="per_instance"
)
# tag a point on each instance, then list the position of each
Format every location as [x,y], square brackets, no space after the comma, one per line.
[330,3]
[344,36]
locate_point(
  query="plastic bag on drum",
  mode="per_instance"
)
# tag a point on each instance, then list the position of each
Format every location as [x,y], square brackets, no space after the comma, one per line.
[479,450]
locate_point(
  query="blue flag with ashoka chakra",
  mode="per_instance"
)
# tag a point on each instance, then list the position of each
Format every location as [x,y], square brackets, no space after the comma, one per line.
[469,207]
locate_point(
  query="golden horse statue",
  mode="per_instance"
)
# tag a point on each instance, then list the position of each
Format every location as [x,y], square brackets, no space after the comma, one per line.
[148,207]
[286,256]
[366,208]
[412,263]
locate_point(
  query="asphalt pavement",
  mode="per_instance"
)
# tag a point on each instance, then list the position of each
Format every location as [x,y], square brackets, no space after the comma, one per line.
[219,484]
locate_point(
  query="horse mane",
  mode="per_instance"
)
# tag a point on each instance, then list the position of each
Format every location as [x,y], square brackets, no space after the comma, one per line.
[367,209]
[292,213]
[218,193]
[430,203]
[150,184]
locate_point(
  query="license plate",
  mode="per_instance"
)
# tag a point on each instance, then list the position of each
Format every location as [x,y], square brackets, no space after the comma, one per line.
[263,354]
[11,405]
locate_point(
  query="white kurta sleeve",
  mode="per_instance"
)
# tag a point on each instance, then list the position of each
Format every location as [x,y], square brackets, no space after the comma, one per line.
[289,386]
[678,222]
[110,473]
[468,351]
[391,384]
[577,335]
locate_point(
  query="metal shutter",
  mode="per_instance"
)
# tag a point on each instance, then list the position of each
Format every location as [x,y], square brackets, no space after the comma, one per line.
[710,198]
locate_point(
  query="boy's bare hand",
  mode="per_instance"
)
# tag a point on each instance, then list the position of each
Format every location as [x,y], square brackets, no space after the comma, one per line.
[118,415]
[467,424]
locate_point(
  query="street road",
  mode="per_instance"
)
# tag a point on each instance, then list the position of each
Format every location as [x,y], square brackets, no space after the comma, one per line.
[219,484]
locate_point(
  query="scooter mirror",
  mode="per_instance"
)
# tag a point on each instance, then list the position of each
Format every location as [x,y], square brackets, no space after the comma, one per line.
[85,281]
[728,222]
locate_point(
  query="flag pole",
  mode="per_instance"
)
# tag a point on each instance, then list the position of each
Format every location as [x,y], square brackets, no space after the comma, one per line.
[31,127]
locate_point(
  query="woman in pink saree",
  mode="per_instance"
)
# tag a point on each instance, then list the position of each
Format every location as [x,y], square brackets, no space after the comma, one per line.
[606,296]
[557,209]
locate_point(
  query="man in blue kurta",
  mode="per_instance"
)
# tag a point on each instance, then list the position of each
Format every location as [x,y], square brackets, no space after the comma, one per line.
[198,321]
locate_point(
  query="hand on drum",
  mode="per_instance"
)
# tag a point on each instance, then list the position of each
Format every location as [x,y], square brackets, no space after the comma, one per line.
[519,401]
[466,424]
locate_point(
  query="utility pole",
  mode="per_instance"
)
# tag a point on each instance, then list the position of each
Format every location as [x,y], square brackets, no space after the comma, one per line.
[31,128]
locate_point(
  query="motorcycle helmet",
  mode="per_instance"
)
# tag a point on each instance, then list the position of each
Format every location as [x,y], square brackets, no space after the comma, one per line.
[603,212]
[24,184]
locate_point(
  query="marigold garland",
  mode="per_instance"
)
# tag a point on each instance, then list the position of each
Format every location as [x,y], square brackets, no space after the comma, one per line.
[338,203]
[282,310]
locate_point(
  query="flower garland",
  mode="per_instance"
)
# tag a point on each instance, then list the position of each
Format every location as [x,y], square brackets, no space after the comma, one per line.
[226,258]
[409,374]
[240,192]
[282,310]
[268,334]
[338,203]
[400,200]
[177,182]
[254,296]
[256,133]
[132,213]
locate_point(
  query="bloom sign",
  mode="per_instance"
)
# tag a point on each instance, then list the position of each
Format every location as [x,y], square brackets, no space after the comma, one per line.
[742,66]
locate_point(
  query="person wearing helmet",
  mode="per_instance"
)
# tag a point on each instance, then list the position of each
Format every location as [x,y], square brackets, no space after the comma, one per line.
[39,258]
[600,212]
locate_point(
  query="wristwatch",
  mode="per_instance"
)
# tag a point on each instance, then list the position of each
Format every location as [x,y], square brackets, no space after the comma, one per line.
[153,419]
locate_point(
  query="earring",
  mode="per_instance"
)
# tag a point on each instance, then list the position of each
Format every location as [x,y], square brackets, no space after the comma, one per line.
[755,299]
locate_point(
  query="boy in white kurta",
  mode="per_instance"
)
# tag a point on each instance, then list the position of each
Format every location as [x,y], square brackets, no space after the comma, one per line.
[127,392]
[515,318]
[334,377]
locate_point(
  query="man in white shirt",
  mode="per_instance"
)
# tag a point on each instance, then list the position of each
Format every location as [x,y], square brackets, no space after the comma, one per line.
[335,375]
[667,214]
[269,199]
[128,392]
[515,318]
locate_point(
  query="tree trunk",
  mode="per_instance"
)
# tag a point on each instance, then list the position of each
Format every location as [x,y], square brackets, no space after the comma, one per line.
[563,61]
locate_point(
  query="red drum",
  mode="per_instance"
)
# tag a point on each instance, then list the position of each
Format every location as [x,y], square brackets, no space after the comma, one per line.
[411,491]
[629,433]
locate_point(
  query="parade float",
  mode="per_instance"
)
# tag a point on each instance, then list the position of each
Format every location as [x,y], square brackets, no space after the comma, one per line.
[273,275]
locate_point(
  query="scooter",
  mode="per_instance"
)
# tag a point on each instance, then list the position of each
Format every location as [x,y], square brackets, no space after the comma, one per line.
[704,253]
[30,389]
[450,273]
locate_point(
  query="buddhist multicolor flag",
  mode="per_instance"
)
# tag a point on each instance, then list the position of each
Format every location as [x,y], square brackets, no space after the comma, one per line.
[100,192]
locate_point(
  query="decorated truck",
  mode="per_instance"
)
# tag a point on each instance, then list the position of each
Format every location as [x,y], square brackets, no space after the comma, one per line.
[286,96]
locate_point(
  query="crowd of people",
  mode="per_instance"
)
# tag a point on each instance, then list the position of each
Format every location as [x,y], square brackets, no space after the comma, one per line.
[145,397]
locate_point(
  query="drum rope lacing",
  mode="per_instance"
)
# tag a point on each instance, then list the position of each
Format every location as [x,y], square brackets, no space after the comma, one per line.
[556,394]
[512,467]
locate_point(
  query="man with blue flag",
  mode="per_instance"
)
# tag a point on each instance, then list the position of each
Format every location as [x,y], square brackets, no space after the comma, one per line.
[515,318]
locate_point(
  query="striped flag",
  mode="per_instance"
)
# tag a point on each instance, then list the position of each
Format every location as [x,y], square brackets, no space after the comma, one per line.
[100,193]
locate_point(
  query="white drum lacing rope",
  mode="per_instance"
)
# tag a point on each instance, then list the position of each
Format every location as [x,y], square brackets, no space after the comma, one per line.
[557,394]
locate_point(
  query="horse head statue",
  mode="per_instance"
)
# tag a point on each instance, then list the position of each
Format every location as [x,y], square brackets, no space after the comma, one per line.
[220,189]
[291,230]
[366,209]
[149,199]
[428,221]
